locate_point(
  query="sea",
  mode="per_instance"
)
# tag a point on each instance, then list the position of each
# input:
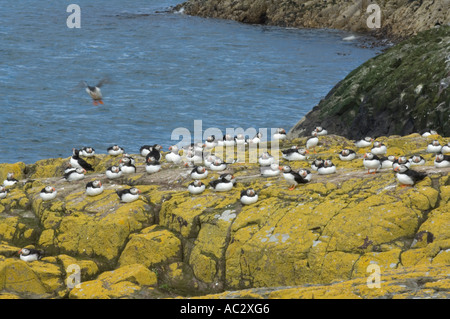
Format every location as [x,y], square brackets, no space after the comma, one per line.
[171,78]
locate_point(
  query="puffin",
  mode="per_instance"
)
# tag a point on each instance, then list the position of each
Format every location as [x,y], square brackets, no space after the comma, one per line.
[209,159]
[417,160]
[292,177]
[227,140]
[222,184]
[408,177]
[255,139]
[347,155]
[48,193]
[248,196]
[265,159]
[10,180]
[294,154]
[218,165]
[196,187]
[94,188]
[152,165]
[126,158]
[144,150]
[446,148]
[312,142]
[194,157]
[428,132]
[387,161]
[75,174]
[3,192]
[113,172]
[239,139]
[280,134]
[371,162]
[305,174]
[115,150]
[378,148]
[316,164]
[434,147]
[30,254]
[270,171]
[327,168]
[173,156]
[401,160]
[128,195]
[155,152]
[77,162]
[87,151]
[126,165]
[94,91]
[210,141]
[199,172]
[365,142]
[320,131]
[441,161]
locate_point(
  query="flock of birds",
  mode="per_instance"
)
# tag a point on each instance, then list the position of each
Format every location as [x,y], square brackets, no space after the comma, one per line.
[200,159]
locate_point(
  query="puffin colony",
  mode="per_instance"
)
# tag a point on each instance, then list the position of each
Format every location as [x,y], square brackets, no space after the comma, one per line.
[198,158]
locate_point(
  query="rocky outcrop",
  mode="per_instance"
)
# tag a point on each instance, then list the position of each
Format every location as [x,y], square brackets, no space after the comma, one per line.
[172,243]
[399,19]
[400,91]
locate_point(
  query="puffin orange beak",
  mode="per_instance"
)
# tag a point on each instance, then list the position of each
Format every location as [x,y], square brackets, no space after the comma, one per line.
[53,189]
[280,168]
[19,251]
[307,152]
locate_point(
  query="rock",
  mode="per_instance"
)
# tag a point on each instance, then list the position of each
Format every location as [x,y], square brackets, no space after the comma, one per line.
[170,243]
[399,19]
[379,98]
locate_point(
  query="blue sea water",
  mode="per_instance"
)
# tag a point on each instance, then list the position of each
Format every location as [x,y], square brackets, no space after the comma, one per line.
[166,71]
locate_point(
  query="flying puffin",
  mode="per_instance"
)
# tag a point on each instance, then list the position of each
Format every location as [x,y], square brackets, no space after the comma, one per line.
[128,195]
[371,162]
[75,174]
[248,196]
[294,154]
[366,142]
[442,160]
[77,162]
[269,171]
[434,147]
[312,142]
[115,150]
[408,177]
[327,168]
[48,193]
[94,91]
[292,177]
[30,254]
[3,192]
[417,160]
[280,134]
[173,156]
[196,187]
[347,155]
[113,172]
[94,188]
[10,180]
[378,148]
[87,151]
[199,172]
[222,184]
